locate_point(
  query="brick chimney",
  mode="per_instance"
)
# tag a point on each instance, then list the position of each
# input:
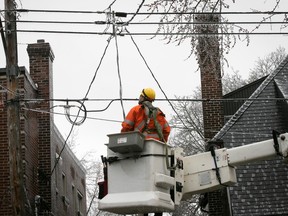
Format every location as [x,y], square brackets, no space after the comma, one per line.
[211,86]
[210,68]
[41,58]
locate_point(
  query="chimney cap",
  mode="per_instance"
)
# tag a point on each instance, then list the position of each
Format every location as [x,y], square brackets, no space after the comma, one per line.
[40,41]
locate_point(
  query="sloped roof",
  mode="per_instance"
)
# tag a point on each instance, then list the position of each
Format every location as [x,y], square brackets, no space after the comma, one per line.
[230,107]
[279,77]
[263,186]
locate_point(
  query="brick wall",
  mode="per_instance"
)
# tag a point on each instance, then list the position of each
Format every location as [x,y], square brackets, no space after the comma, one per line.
[5,200]
[40,60]
[29,145]
[29,136]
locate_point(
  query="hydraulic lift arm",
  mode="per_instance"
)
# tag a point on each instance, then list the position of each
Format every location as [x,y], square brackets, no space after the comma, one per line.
[210,171]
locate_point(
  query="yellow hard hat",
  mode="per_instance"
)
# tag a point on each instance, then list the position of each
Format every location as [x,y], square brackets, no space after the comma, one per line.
[148,93]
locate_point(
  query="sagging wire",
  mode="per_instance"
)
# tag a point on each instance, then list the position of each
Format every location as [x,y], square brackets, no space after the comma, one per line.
[82,105]
[12,92]
[108,17]
[148,33]
[108,22]
[61,151]
[95,74]
[115,30]
[109,7]
[254,12]
[205,4]
[136,13]
[215,5]
[197,4]
[111,101]
[67,108]
[267,18]
[162,99]
[57,113]
[118,67]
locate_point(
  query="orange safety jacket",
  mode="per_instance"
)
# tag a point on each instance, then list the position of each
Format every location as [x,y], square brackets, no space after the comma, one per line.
[136,121]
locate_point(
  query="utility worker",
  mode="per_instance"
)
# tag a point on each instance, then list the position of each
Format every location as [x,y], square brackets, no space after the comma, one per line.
[146,118]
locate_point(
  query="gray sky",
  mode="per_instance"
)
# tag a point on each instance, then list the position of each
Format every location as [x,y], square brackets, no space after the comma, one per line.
[78,56]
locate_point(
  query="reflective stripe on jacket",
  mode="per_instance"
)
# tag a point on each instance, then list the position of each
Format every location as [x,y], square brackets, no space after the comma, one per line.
[136,121]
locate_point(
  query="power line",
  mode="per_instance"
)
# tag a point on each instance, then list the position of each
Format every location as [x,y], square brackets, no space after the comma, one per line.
[154,13]
[136,13]
[160,99]
[63,114]
[78,114]
[63,32]
[151,23]
[56,11]
[118,72]
[148,33]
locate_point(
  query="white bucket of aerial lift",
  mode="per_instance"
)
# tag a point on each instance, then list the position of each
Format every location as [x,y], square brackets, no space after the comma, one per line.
[138,182]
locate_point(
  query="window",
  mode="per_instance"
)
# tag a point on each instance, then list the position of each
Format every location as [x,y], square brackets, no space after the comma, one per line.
[64,184]
[80,203]
[57,175]
[74,200]
[64,188]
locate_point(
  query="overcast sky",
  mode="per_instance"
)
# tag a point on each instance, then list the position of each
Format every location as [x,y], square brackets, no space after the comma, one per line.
[77,58]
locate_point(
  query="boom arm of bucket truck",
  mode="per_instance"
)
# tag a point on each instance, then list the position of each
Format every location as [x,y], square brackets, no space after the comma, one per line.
[148,176]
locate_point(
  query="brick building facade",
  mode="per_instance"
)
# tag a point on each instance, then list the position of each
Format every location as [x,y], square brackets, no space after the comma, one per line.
[61,192]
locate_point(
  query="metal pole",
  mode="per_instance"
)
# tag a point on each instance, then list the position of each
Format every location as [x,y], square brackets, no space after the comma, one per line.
[13,119]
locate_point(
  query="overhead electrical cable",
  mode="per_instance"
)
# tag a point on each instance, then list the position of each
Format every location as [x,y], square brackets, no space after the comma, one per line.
[110,6]
[115,29]
[68,107]
[214,8]
[118,70]
[96,72]
[73,125]
[154,13]
[119,121]
[111,100]
[136,13]
[63,147]
[99,22]
[147,33]
[57,113]
[55,11]
[109,21]
[9,90]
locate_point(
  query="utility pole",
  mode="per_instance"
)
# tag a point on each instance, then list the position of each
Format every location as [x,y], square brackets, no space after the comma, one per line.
[13,117]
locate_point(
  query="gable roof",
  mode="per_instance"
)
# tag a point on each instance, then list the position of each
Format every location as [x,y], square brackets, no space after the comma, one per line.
[262,187]
[279,77]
